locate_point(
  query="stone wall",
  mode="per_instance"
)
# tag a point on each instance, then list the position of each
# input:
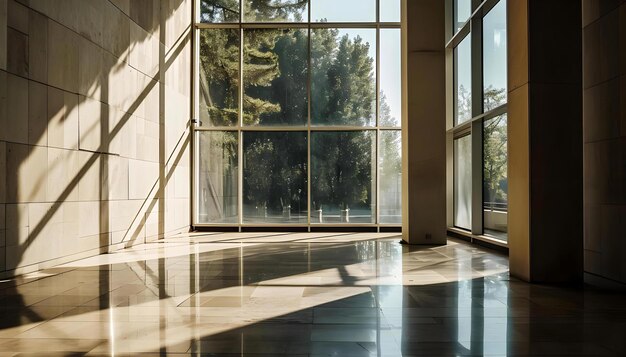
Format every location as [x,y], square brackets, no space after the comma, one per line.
[94,137]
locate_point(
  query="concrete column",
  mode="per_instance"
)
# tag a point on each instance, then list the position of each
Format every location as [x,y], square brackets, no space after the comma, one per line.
[423,122]
[545,140]
[604,137]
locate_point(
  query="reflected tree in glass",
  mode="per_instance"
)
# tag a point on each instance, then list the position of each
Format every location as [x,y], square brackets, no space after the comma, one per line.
[219,77]
[343,177]
[217,177]
[343,85]
[463,182]
[276,10]
[390,187]
[495,178]
[212,11]
[275,77]
[275,177]
[463,81]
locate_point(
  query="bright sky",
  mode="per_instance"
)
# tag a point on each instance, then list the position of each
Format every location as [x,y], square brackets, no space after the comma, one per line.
[494,46]
[354,10]
[343,10]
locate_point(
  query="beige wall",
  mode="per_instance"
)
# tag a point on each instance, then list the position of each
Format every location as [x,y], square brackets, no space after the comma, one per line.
[94,144]
[604,118]
[423,123]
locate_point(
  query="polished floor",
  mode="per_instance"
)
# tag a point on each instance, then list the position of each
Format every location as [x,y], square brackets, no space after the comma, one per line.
[273,294]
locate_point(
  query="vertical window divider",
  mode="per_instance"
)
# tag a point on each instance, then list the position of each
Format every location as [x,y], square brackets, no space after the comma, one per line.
[477,132]
[240,125]
[194,114]
[376,194]
[308,152]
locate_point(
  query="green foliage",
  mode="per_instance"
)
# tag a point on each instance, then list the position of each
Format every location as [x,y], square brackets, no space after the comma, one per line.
[342,165]
[219,76]
[219,10]
[495,159]
[495,155]
[275,10]
[343,87]
[275,76]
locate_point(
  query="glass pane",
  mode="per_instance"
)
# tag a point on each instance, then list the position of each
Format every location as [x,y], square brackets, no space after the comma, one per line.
[343,174]
[494,57]
[390,169]
[275,177]
[219,77]
[275,74]
[495,184]
[217,177]
[343,11]
[343,84]
[389,10]
[276,10]
[219,11]
[390,78]
[462,12]
[463,182]
[463,81]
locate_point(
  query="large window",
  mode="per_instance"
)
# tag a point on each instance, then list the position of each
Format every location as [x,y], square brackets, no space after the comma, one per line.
[478,47]
[298,107]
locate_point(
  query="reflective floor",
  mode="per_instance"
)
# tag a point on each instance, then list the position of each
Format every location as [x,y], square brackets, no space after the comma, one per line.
[302,294]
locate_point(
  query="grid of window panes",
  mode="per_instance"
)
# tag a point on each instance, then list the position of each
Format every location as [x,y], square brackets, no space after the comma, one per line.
[488,22]
[298,106]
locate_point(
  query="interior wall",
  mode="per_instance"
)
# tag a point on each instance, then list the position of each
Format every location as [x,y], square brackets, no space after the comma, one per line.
[604,118]
[94,138]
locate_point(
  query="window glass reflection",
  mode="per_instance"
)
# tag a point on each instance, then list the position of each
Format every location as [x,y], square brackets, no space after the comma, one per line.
[275,73]
[495,183]
[217,177]
[390,78]
[343,83]
[463,182]
[390,170]
[494,57]
[276,10]
[213,11]
[275,177]
[219,77]
[343,11]
[463,81]
[462,12]
[343,174]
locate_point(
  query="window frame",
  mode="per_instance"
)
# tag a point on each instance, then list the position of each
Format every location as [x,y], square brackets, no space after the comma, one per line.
[308,127]
[473,28]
